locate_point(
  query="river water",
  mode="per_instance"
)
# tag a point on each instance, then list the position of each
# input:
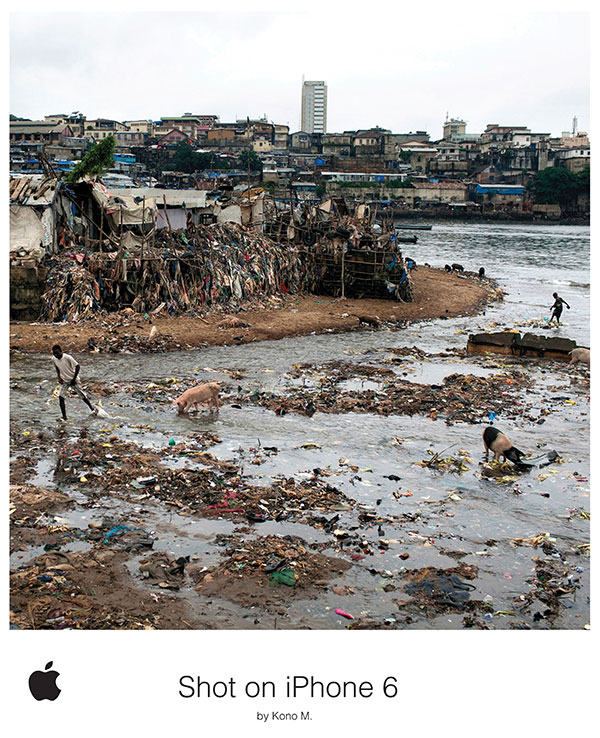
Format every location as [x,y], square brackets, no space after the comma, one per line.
[530,262]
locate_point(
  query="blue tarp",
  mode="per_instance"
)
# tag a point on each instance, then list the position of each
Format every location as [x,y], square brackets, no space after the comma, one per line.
[499,189]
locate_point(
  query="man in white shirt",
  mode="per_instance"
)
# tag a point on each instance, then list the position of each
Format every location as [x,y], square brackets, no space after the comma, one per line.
[67,370]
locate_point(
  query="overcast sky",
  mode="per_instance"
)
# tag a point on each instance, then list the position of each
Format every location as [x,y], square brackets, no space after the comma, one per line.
[383,65]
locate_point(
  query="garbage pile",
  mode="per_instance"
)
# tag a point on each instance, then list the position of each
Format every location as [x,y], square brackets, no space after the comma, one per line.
[353,255]
[279,566]
[59,591]
[72,293]
[441,590]
[27,501]
[201,267]
[460,398]
[131,343]
[206,486]
[455,464]
[555,580]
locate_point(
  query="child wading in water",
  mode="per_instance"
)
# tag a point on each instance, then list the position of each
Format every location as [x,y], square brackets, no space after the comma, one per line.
[67,370]
[558,307]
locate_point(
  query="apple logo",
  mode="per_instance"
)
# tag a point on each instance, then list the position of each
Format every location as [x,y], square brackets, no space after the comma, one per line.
[42,684]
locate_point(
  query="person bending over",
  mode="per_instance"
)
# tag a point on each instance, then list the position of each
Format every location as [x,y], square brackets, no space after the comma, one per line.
[558,307]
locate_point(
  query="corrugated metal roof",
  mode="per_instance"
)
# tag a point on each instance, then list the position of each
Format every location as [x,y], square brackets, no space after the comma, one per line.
[501,189]
[37,127]
[174,198]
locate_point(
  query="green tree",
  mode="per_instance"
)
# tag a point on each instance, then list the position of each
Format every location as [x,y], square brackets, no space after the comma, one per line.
[185,158]
[555,185]
[583,180]
[211,161]
[255,161]
[98,160]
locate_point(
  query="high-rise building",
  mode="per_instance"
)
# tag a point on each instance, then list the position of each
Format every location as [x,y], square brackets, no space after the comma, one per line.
[314,107]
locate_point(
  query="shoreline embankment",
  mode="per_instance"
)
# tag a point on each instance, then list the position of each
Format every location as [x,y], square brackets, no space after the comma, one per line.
[437,295]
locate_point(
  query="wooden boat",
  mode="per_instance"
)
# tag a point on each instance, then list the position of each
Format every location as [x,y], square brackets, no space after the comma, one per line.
[513,344]
[406,227]
[406,239]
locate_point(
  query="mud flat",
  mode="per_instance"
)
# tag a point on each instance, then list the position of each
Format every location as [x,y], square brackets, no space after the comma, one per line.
[436,295]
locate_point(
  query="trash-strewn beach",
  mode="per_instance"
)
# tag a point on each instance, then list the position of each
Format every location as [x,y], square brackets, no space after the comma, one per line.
[343,482]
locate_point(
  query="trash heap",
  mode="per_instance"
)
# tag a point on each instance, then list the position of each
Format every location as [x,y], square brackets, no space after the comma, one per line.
[460,398]
[350,254]
[72,293]
[197,268]
[280,565]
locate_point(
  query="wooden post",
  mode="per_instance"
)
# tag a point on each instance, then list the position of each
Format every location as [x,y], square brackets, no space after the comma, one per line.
[143,225]
[168,221]
[121,227]
[54,243]
[343,270]
[101,226]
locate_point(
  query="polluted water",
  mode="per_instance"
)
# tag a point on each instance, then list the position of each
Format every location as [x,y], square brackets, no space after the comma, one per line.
[343,475]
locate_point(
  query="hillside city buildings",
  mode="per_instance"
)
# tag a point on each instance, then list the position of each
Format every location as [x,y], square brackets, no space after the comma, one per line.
[492,168]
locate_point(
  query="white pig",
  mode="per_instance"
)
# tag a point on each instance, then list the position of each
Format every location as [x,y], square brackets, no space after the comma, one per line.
[579,354]
[204,394]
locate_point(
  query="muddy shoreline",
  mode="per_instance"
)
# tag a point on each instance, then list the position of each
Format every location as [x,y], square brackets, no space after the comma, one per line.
[437,294]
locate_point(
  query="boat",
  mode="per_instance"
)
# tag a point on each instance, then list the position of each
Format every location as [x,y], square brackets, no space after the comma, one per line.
[407,239]
[511,343]
[413,227]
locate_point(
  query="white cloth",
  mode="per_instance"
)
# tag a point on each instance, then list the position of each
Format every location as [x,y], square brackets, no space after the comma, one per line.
[66,365]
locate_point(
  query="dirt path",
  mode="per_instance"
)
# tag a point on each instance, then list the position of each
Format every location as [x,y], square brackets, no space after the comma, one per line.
[436,294]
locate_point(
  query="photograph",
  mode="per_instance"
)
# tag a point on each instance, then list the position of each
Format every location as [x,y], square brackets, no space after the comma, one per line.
[299,331]
[298,418]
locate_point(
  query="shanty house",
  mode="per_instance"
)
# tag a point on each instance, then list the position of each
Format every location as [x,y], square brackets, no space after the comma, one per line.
[39,132]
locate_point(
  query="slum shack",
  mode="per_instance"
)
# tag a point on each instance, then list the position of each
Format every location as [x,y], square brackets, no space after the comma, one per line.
[145,249]
[193,269]
[349,254]
[170,252]
[513,344]
[31,236]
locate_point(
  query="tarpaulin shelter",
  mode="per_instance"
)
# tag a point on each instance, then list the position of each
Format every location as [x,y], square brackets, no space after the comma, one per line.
[31,231]
[121,209]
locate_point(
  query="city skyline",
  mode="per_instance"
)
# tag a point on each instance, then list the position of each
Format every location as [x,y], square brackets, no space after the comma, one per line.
[128,66]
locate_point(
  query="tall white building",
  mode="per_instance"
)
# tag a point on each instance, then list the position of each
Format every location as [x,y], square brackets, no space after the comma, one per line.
[314,107]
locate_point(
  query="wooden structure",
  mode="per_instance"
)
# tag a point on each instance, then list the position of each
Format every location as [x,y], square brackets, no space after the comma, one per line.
[349,272]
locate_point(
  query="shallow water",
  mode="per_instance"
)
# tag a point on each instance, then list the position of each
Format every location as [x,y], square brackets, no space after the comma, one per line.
[530,262]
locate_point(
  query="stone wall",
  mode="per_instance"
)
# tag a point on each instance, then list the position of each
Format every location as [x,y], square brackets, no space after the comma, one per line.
[27,284]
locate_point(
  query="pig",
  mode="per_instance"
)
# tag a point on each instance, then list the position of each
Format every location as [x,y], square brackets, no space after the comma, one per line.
[204,394]
[579,354]
[499,444]
[458,268]
[233,322]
